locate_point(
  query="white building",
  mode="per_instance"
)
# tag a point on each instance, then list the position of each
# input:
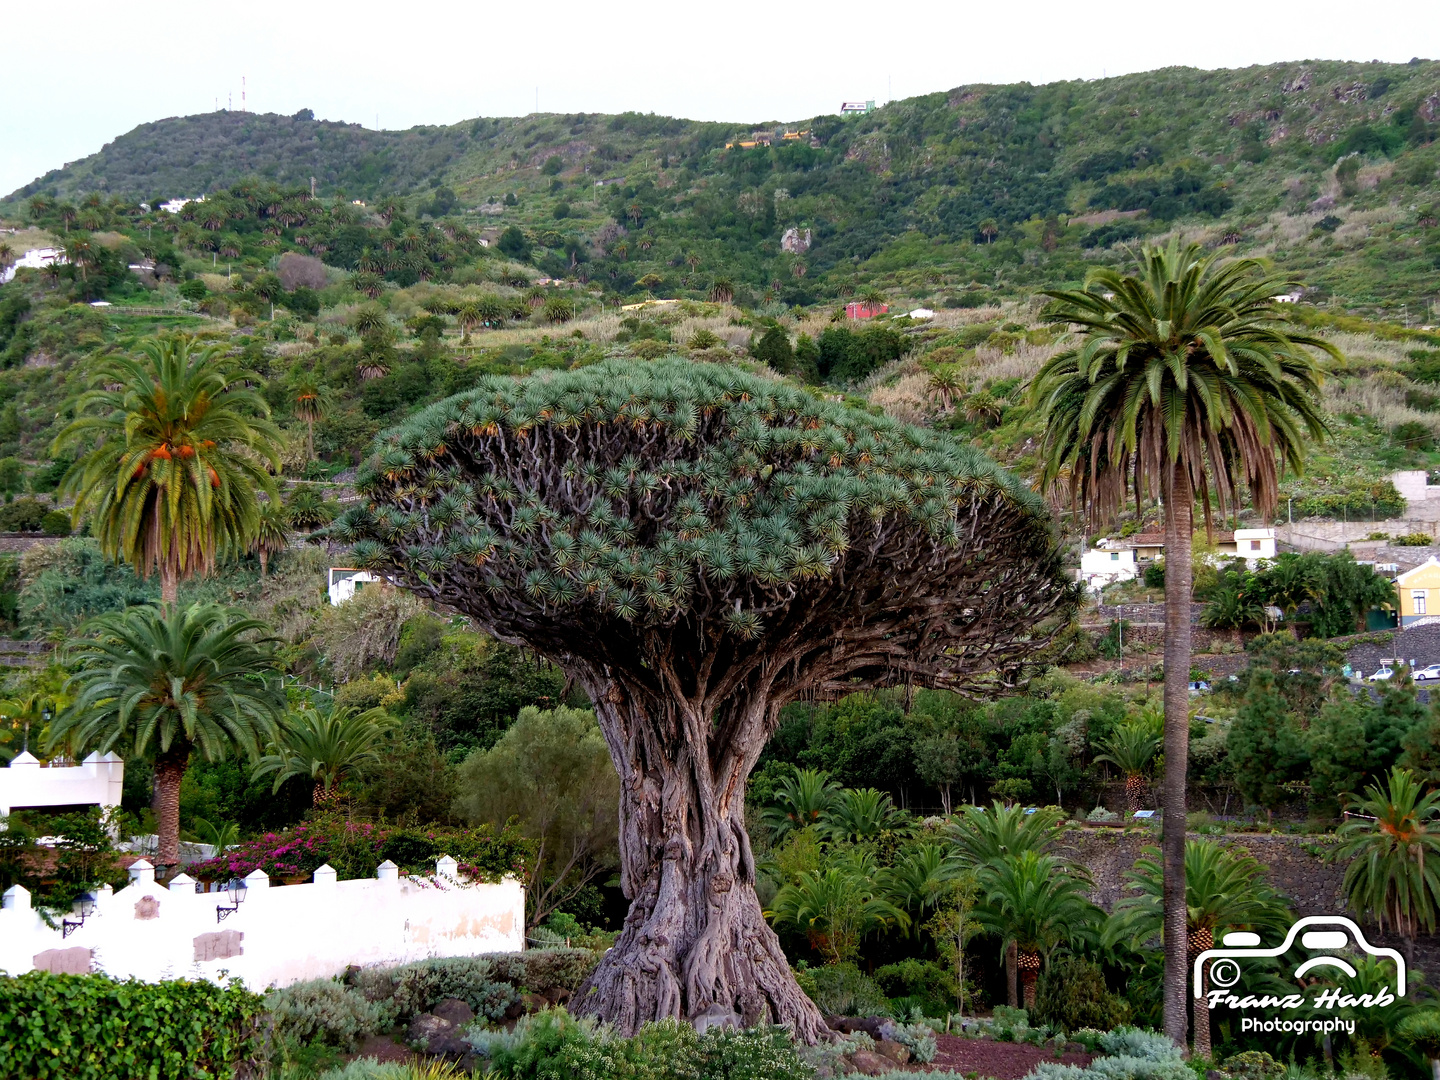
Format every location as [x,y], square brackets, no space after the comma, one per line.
[174,206]
[1414,485]
[34,259]
[1101,566]
[1252,545]
[346,581]
[27,785]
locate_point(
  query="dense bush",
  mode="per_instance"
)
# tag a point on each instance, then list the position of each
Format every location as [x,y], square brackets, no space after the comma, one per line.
[323,1011]
[843,990]
[419,987]
[553,1044]
[1072,994]
[91,1027]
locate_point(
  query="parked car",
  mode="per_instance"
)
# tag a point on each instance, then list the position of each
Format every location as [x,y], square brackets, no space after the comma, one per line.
[1428,674]
[1384,674]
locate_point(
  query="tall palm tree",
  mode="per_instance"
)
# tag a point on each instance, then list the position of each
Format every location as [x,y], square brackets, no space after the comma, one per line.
[174,448]
[272,533]
[1225,889]
[1187,381]
[308,402]
[467,315]
[1131,749]
[945,385]
[326,747]
[1036,902]
[1392,845]
[800,802]
[168,685]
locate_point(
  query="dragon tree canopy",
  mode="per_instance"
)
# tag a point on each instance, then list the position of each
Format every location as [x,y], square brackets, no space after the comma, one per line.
[697,546]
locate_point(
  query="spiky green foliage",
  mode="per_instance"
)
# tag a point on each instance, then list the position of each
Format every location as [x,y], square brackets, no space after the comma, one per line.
[1188,362]
[174,451]
[1225,889]
[1393,848]
[1038,902]
[584,511]
[324,747]
[984,835]
[801,800]
[163,685]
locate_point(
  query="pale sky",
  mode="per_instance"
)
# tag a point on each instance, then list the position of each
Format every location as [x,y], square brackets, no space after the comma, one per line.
[80,74]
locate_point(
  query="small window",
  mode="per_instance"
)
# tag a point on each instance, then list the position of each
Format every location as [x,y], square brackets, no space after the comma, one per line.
[1254,545]
[1417,600]
[1114,556]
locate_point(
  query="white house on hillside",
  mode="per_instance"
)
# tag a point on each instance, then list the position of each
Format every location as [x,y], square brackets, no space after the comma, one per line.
[346,581]
[34,259]
[1252,545]
[1100,567]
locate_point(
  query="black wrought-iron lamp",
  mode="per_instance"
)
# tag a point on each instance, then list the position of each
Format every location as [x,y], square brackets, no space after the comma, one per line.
[87,908]
[236,889]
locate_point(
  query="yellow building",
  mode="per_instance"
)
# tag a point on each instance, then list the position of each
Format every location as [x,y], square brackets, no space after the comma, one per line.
[1419,592]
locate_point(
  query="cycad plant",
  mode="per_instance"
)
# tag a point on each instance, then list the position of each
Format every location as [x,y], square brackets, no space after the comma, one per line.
[1131,749]
[195,680]
[835,908]
[858,815]
[921,879]
[1392,844]
[174,448]
[325,747]
[1187,382]
[1225,890]
[801,800]
[1036,902]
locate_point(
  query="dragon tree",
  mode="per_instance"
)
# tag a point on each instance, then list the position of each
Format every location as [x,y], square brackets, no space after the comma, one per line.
[696,547]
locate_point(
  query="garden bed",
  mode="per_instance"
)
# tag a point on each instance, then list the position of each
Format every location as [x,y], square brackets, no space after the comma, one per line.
[1001,1060]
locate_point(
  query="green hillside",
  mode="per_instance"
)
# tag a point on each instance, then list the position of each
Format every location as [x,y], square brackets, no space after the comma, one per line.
[1328,168]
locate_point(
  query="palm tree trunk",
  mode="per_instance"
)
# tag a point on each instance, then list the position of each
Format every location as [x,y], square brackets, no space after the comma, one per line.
[1179,527]
[264,562]
[310,439]
[169,772]
[1200,941]
[1029,963]
[1012,985]
[169,587]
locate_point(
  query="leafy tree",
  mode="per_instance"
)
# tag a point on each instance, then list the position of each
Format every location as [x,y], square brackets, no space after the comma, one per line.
[512,242]
[172,459]
[1225,889]
[940,760]
[552,773]
[325,747]
[1187,382]
[1038,903]
[1265,744]
[695,572]
[1338,749]
[169,685]
[773,348]
[953,925]
[1393,850]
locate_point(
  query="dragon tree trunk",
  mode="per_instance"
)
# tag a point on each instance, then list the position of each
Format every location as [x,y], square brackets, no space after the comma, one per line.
[695,940]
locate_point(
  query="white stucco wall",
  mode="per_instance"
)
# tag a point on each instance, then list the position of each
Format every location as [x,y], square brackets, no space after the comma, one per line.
[286,933]
[96,781]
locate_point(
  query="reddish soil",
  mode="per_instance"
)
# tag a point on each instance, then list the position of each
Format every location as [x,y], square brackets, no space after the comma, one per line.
[1002,1060]
[383,1048]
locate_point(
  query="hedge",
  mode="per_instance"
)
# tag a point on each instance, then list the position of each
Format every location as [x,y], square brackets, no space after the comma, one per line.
[91,1027]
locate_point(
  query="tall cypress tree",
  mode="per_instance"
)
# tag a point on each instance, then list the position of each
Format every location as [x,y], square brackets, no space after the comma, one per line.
[1266,747]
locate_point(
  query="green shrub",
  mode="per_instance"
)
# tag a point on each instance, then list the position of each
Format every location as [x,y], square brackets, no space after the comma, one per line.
[92,1027]
[1139,1043]
[932,984]
[919,1039]
[322,1011]
[1072,994]
[1415,539]
[55,523]
[1055,1070]
[841,990]
[1155,575]
[1125,1067]
[1421,1029]
[553,1045]
[1253,1065]
[420,986]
